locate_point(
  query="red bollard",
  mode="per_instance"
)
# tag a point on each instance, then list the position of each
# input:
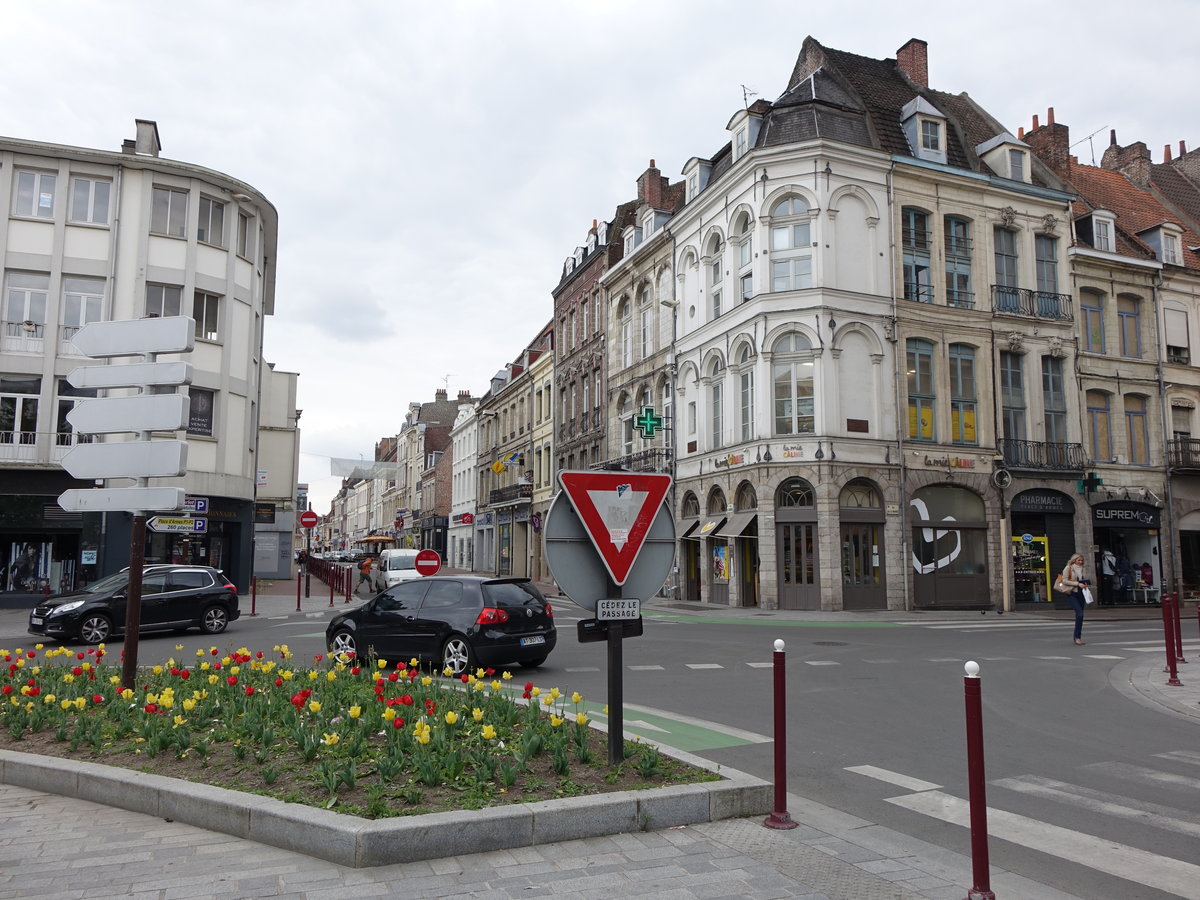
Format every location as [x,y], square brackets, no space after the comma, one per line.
[976,786]
[1178,627]
[299,583]
[1169,641]
[331,581]
[780,818]
[254,596]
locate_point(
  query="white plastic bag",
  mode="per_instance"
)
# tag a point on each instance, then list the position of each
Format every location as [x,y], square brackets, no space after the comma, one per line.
[1087,596]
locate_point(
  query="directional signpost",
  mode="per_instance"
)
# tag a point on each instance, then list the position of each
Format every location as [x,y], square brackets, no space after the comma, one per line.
[160,524]
[139,459]
[610,543]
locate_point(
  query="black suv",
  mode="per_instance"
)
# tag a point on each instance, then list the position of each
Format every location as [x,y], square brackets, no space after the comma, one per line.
[173,598]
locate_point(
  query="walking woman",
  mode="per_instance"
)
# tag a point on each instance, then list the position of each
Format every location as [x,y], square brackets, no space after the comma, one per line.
[1073,576]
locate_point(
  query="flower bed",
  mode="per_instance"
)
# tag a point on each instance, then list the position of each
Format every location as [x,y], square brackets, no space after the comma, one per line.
[369,738]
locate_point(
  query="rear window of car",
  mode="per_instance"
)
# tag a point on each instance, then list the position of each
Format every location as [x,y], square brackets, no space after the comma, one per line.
[182,581]
[509,593]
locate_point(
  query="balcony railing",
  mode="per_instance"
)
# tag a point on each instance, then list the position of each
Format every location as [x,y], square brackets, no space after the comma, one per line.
[510,493]
[22,446]
[1184,453]
[1039,304]
[1043,455]
[655,459]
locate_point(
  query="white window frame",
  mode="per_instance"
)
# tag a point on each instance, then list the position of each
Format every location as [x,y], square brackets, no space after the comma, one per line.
[739,143]
[164,299]
[42,185]
[97,202]
[210,222]
[1170,249]
[647,331]
[626,320]
[206,311]
[1102,234]
[934,146]
[26,298]
[791,245]
[246,229]
[1018,165]
[81,305]
[169,220]
[716,405]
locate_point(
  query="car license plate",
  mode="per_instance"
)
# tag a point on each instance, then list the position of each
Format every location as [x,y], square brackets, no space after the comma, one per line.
[530,641]
[34,620]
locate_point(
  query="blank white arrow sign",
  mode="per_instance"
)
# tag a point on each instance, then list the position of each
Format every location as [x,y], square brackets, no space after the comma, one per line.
[113,415]
[127,459]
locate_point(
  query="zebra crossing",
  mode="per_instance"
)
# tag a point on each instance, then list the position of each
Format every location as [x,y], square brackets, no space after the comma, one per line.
[1050,823]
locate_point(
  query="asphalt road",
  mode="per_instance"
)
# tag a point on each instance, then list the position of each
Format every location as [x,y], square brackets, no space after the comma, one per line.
[1098,795]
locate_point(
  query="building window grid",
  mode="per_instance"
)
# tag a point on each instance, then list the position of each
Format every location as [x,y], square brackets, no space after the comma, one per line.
[1012,395]
[26,298]
[716,406]
[916,242]
[83,302]
[791,245]
[1008,298]
[921,391]
[1129,321]
[715,278]
[958,263]
[205,312]
[168,212]
[1091,309]
[35,194]
[792,382]
[90,200]
[1054,400]
[962,395]
[1137,430]
[1100,425]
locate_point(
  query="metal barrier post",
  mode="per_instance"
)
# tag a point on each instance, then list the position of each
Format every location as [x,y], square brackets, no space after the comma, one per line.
[254,596]
[1178,627]
[976,786]
[1169,641]
[779,817]
[299,585]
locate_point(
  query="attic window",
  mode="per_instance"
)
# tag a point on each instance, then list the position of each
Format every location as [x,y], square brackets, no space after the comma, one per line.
[1170,249]
[1016,165]
[1102,234]
[693,185]
[739,144]
[931,135]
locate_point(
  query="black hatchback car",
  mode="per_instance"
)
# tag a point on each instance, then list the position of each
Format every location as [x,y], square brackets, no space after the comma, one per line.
[174,598]
[459,622]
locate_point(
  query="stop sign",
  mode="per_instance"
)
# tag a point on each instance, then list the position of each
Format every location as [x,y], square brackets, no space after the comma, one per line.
[308,518]
[428,562]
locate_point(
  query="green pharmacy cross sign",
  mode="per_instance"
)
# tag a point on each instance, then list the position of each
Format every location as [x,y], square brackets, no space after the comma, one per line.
[648,422]
[1089,484]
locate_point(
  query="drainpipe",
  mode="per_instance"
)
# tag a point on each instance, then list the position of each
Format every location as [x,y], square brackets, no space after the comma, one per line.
[905,548]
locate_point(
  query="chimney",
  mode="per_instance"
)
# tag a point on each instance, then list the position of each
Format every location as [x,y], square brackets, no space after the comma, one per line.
[1166,153]
[651,186]
[147,142]
[129,145]
[439,394]
[913,59]
[464,396]
[1182,149]
[1021,133]
[1133,162]
[1051,143]
[1035,123]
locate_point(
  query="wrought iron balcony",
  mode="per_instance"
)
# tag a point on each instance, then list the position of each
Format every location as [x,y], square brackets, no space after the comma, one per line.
[1043,455]
[510,493]
[1039,304]
[655,459]
[1184,453]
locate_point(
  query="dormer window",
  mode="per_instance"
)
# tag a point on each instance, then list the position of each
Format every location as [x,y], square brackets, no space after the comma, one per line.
[693,185]
[1170,251]
[739,144]
[931,135]
[648,224]
[925,128]
[1102,234]
[633,237]
[696,173]
[1164,241]
[1016,165]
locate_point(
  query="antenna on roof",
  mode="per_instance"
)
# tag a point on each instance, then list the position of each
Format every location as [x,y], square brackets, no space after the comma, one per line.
[1088,138]
[746,95]
[446,380]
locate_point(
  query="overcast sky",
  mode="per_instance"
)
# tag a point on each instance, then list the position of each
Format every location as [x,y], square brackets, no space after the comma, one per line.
[433,164]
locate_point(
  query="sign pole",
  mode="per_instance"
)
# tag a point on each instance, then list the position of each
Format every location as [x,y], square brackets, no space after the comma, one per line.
[307,563]
[616,693]
[133,601]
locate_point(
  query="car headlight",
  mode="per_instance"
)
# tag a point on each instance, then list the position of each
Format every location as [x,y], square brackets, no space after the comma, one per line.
[66,607]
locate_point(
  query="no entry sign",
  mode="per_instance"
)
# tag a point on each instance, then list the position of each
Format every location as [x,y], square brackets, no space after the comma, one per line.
[428,562]
[308,518]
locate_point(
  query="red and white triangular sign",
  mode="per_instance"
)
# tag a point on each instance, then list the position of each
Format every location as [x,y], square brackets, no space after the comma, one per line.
[617,509]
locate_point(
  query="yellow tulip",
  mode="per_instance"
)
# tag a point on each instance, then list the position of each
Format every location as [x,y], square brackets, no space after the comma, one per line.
[50,698]
[580,719]
[189,705]
[204,667]
[477,714]
[80,702]
[66,704]
[355,712]
[331,676]
[157,670]
[506,675]
[577,698]
[179,720]
[331,739]
[423,737]
[314,706]
[547,700]
[451,717]
[389,714]
[127,694]
[489,732]
[212,679]
[496,684]
[382,664]
[555,721]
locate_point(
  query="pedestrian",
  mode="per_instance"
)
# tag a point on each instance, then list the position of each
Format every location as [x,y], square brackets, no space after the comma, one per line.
[364,573]
[1074,576]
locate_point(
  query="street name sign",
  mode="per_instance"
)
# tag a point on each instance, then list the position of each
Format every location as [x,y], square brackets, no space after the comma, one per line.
[137,337]
[617,509]
[113,415]
[131,375]
[130,499]
[180,524]
[127,459]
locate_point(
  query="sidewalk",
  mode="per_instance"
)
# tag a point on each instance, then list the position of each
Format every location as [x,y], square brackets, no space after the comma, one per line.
[58,847]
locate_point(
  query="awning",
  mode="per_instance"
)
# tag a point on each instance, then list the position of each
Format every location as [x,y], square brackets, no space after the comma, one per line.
[692,525]
[736,524]
[710,528]
[375,539]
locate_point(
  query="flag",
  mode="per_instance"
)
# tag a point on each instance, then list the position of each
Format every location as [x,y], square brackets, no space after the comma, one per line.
[513,459]
[498,466]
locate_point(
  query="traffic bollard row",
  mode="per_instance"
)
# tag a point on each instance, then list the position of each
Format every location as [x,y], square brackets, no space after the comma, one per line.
[780,818]
[1169,641]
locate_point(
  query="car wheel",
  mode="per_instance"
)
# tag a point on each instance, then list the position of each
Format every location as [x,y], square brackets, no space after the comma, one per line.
[214,620]
[533,663]
[95,628]
[456,655]
[344,642]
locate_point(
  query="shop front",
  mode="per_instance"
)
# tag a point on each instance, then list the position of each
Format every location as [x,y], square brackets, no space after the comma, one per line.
[949,549]
[1128,562]
[1042,525]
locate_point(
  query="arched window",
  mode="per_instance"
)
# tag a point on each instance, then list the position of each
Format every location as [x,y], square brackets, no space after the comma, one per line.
[1099,425]
[792,384]
[795,492]
[716,502]
[1129,319]
[1135,425]
[625,414]
[859,495]
[625,317]
[745,369]
[962,395]
[716,421]
[646,314]
[921,390]
[746,498]
[690,508]
[745,244]
[1091,320]
[791,245]
[715,265]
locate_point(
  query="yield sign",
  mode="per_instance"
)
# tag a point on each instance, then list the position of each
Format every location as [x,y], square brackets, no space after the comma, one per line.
[617,509]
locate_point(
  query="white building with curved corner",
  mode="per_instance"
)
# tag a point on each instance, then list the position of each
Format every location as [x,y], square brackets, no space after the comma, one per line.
[92,235]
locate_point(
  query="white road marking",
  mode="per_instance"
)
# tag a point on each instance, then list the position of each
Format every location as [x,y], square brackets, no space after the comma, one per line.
[821,662]
[645,668]
[1147,776]
[1054,657]
[946,659]
[896,778]
[1101,656]
[760,665]
[748,736]
[583,669]
[1191,757]
[705,666]
[1152,814]
[1160,872]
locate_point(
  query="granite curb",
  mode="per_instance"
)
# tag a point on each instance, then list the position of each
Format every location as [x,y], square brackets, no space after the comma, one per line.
[359,843]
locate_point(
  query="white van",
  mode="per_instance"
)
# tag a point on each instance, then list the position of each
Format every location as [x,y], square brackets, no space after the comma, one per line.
[393,567]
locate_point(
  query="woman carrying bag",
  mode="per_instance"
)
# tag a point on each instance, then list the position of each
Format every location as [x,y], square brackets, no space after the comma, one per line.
[1075,582]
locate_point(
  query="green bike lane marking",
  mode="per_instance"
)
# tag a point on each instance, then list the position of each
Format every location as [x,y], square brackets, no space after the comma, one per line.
[673,730]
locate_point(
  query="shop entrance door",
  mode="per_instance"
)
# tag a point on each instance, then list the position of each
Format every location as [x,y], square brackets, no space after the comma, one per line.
[798,565]
[862,570]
